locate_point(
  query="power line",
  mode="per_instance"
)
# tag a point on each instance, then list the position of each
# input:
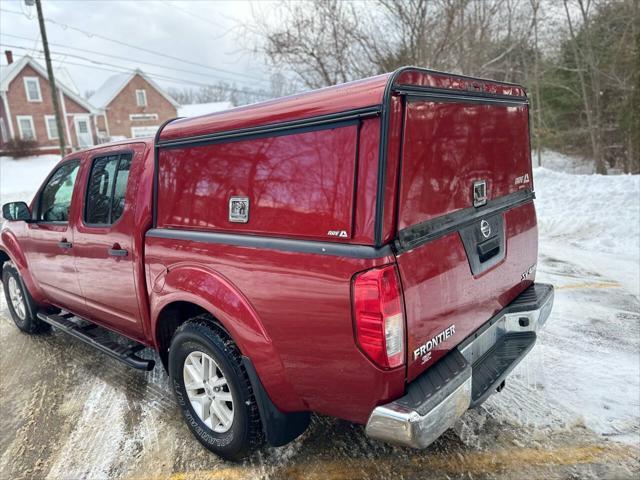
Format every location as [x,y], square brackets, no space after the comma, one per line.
[143,49]
[191,14]
[180,81]
[192,72]
[122,69]
[197,17]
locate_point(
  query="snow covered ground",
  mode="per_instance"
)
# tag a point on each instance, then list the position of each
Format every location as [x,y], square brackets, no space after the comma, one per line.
[19,179]
[581,382]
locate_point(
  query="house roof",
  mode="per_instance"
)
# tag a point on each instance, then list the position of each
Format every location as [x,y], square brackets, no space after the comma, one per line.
[63,75]
[197,109]
[9,72]
[114,85]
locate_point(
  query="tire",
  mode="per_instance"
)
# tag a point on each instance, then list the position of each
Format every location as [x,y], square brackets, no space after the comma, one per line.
[226,378]
[21,305]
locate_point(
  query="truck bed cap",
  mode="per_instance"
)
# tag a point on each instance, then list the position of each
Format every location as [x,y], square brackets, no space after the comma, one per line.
[345,97]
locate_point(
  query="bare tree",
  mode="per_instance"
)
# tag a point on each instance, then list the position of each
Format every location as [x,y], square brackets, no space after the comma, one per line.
[328,42]
[588,74]
[535,7]
[553,48]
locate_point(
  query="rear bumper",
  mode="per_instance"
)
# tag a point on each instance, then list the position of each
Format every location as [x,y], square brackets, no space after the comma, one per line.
[466,376]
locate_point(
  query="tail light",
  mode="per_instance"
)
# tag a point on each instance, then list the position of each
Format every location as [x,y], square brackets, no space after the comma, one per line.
[379,322]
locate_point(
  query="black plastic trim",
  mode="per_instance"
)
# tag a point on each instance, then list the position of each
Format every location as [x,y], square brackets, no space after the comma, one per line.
[279,428]
[435,384]
[382,156]
[319,122]
[154,205]
[446,95]
[495,365]
[273,243]
[484,253]
[416,235]
[448,98]
[124,353]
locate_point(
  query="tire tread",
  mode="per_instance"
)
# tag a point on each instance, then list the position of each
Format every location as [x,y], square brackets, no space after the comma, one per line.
[205,326]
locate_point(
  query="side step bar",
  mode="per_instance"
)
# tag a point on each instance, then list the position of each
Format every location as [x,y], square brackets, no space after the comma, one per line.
[98,338]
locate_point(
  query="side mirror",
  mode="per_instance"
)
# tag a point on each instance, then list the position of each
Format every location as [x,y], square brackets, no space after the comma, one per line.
[16,211]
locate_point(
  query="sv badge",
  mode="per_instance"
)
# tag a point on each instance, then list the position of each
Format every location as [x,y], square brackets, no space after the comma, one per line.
[527,272]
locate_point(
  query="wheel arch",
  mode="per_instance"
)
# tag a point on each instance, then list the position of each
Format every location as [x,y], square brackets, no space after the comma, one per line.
[11,251]
[189,290]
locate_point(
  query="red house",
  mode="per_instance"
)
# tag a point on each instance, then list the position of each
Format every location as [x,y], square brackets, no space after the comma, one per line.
[26,109]
[131,105]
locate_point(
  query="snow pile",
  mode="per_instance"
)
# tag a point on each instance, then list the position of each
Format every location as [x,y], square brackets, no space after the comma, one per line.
[564,163]
[20,178]
[585,368]
[600,213]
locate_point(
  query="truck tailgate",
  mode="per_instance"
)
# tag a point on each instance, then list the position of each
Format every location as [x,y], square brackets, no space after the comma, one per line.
[467,234]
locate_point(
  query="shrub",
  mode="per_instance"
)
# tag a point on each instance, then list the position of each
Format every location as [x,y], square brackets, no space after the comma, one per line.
[18,148]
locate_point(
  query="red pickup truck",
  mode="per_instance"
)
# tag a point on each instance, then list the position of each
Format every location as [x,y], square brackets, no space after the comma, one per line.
[365,251]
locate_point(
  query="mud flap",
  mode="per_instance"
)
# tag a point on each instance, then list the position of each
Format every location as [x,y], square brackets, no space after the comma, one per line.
[279,428]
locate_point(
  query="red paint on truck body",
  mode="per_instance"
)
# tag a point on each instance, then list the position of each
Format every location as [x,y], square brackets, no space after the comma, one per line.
[292,193]
[290,311]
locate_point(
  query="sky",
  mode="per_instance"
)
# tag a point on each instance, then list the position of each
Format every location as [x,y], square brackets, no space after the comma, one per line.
[207,35]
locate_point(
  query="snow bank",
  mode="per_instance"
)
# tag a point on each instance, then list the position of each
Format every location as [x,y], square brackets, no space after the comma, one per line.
[19,179]
[564,163]
[600,213]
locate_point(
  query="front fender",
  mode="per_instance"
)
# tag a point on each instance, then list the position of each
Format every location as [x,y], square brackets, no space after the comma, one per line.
[9,244]
[202,286]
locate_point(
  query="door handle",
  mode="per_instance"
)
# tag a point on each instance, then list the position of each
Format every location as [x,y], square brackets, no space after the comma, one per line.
[118,252]
[65,245]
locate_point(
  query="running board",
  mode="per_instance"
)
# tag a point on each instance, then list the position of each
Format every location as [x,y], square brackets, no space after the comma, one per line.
[493,367]
[98,338]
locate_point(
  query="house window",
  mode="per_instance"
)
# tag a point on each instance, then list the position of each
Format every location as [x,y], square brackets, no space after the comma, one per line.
[32,89]
[52,127]
[137,132]
[25,127]
[141,117]
[141,98]
[83,127]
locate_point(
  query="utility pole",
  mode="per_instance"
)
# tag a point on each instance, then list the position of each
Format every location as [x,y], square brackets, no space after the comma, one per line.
[52,83]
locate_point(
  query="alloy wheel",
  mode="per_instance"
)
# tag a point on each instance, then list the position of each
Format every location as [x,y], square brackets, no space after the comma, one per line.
[17,299]
[208,391]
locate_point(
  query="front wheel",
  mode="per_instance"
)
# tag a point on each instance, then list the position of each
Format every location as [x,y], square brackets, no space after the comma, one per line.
[213,390]
[21,306]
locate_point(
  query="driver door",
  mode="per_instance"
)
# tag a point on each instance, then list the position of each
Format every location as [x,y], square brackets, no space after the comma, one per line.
[50,251]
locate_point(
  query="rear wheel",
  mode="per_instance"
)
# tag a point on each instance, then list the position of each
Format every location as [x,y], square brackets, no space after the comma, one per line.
[21,306]
[213,390]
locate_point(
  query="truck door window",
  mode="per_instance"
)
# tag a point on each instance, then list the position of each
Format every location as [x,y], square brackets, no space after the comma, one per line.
[55,199]
[106,189]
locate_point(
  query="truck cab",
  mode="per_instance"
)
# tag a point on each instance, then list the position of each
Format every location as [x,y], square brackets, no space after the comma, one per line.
[365,251]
